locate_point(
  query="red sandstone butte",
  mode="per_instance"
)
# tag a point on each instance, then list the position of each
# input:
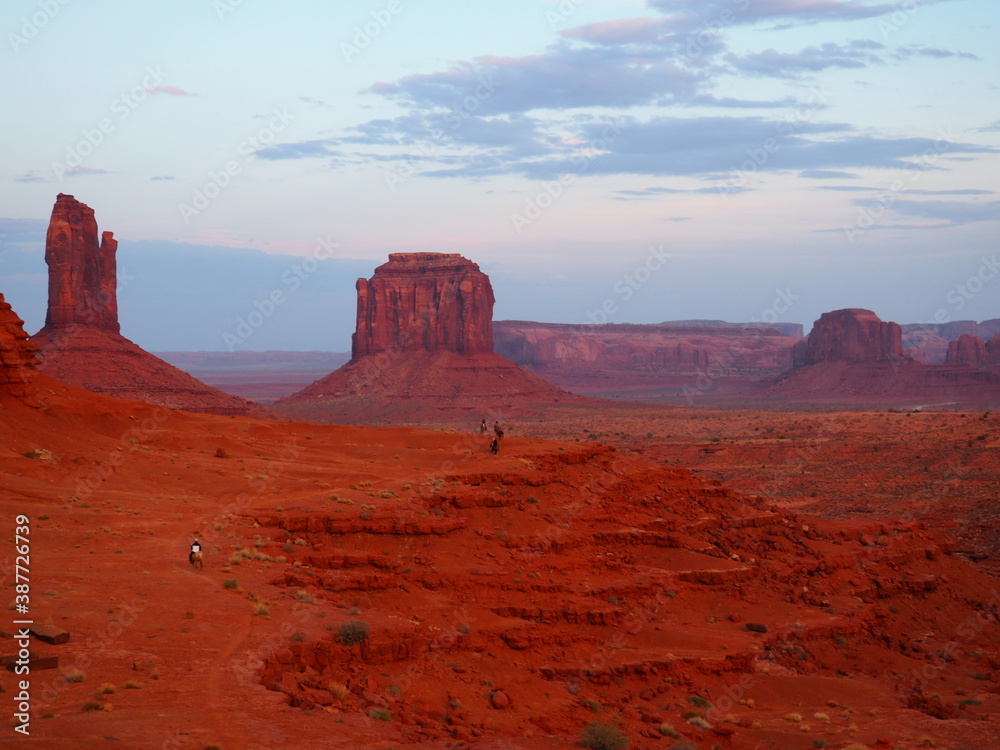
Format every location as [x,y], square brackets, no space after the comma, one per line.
[851,335]
[17,354]
[424,302]
[967,350]
[422,349]
[83,274]
[80,343]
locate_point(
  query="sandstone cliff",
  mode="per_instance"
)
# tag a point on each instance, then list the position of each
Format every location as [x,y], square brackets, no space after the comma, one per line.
[615,358]
[851,335]
[80,343]
[423,350]
[17,354]
[424,302]
[83,274]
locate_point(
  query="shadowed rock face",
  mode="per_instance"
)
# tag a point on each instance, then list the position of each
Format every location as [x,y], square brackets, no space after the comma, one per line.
[424,302]
[17,354]
[83,274]
[851,335]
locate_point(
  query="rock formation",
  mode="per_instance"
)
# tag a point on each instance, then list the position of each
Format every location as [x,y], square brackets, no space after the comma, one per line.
[83,274]
[662,357]
[422,349]
[424,302]
[80,343]
[967,350]
[17,354]
[851,335]
[928,342]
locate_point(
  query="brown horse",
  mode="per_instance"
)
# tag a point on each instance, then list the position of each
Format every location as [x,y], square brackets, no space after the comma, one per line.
[196,560]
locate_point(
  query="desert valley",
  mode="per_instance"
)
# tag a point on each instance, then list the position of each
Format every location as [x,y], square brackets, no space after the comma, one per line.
[693,535]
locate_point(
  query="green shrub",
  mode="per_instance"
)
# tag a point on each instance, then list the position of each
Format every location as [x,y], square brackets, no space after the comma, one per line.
[353,632]
[229,583]
[600,736]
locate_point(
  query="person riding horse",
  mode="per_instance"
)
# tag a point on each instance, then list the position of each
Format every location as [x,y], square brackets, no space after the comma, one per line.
[495,446]
[194,556]
[498,430]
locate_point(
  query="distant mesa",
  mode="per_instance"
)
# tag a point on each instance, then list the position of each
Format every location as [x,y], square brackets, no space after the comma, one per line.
[80,343]
[640,360]
[18,357]
[928,342]
[423,347]
[852,356]
[851,335]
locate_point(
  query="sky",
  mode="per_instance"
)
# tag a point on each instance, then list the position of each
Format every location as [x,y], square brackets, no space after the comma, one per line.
[623,161]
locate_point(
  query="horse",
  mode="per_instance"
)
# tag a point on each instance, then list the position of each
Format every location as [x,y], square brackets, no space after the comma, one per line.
[498,430]
[494,446]
[196,560]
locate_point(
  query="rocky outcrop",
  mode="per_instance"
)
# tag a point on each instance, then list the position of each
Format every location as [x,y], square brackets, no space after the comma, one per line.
[851,335]
[423,351]
[80,343]
[83,274]
[17,354]
[619,357]
[928,342]
[424,302]
[967,350]
[973,351]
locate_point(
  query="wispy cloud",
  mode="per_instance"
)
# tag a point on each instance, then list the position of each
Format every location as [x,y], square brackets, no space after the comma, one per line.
[172,90]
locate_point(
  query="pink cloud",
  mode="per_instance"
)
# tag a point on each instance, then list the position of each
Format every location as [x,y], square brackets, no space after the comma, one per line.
[621,31]
[169,90]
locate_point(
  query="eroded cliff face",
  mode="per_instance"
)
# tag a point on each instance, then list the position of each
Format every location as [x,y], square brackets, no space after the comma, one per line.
[83,274]
[973,351]
[851,335]
[17,354]
[424,302]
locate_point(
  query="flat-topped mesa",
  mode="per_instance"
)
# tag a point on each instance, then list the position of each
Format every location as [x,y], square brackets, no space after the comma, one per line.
[83,274]
[424,302]
[17,354]
[851,335]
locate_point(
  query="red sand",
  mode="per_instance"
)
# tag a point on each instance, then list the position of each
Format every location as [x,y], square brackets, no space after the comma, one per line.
[510,599]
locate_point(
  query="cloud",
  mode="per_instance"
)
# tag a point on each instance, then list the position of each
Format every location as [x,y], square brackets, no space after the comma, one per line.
[919,50]
[954,212]
[991,128]
[784,13]
[32,175]
[162,177]
[828,174]
[770,62]
[300,150]
[84,172]
[652,192]
[172,90]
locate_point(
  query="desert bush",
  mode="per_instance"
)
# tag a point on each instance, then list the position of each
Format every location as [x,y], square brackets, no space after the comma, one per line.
[793,717]
[600,736]
[382,714]
[74,675]
[698,702]
[699,721]
[667,730]
[229,583]
[353,632]
[91,706]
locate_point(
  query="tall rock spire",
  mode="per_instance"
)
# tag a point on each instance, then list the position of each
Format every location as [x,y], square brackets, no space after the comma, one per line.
[83,274]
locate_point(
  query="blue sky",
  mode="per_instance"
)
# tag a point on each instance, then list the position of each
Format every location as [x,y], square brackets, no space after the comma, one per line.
[828,153]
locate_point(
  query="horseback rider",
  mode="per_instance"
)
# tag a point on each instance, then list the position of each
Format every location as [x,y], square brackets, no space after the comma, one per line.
[482,427]
[195,547]
[495,446]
